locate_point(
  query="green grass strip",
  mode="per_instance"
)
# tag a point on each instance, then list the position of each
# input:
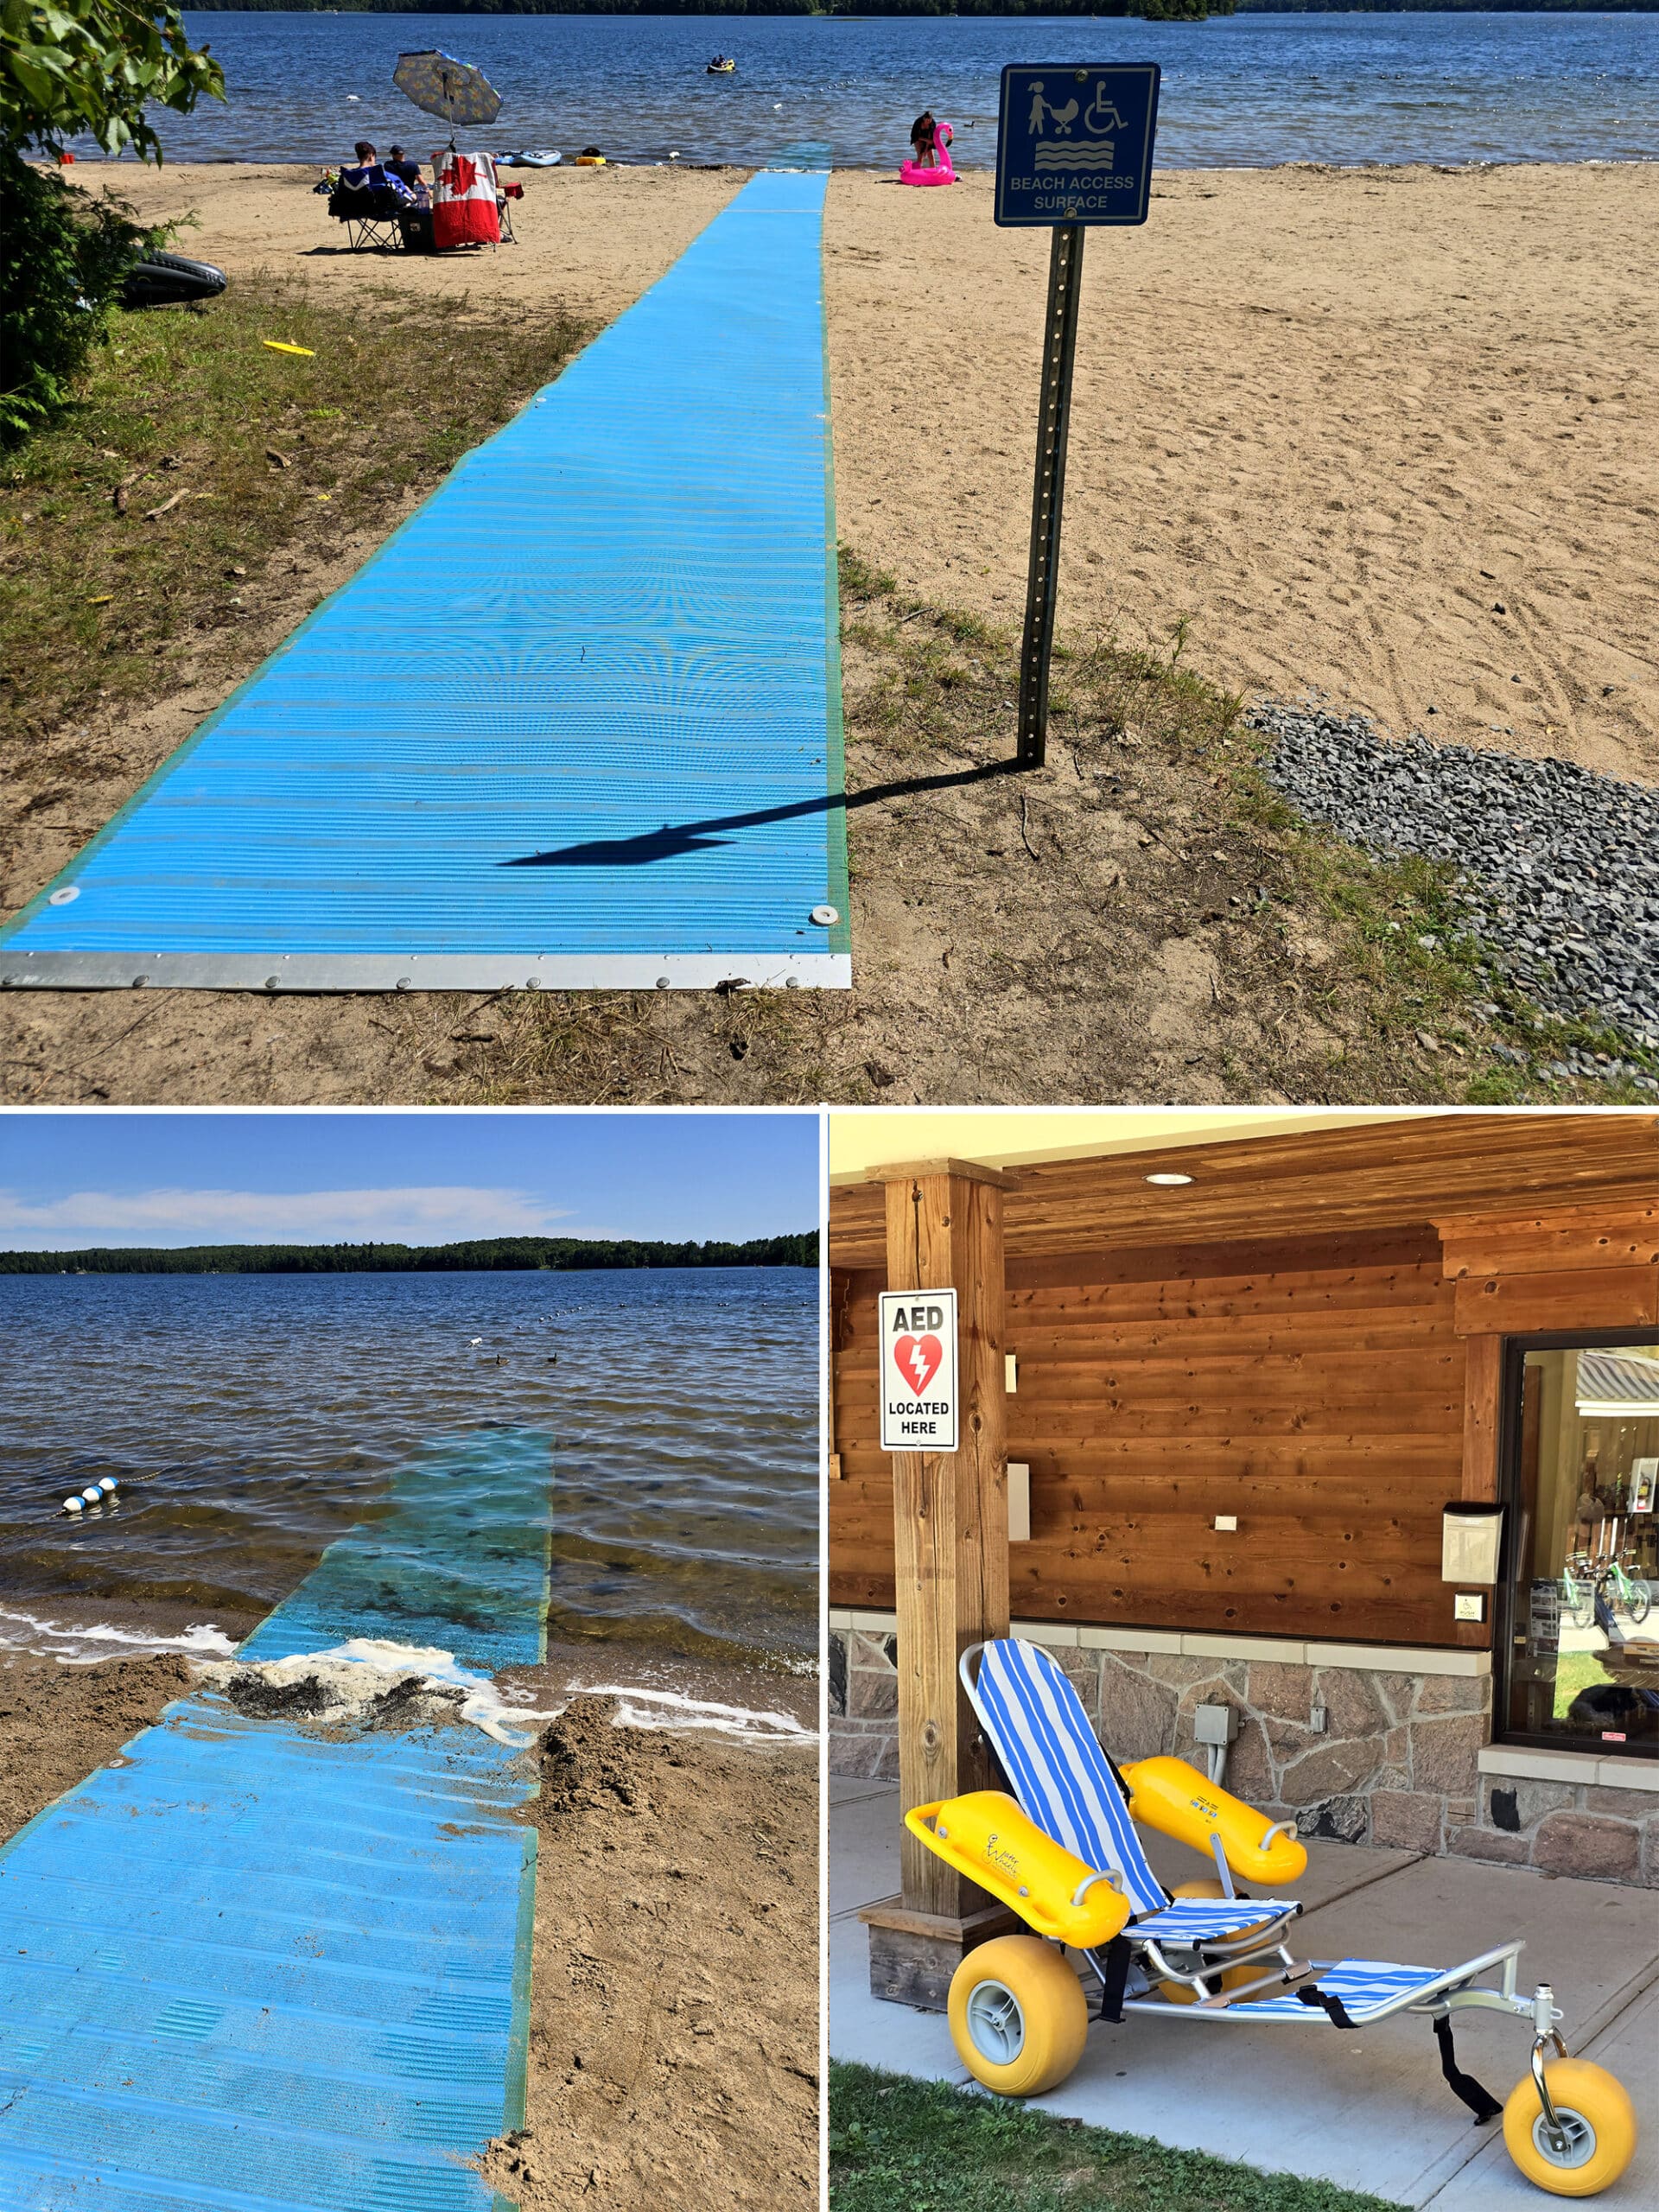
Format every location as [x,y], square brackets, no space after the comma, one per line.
[900,2146]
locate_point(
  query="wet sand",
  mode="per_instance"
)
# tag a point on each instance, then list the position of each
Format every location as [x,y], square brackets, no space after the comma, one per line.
[1331,420]
[675,2010]
[59,1724]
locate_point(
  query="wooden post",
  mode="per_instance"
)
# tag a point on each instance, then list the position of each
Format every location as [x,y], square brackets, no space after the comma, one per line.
[1482,1399]
[950,1542]
[1482,1408]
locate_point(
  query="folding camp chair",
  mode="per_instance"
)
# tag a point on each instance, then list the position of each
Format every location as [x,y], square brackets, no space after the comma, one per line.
[371,208]
[1063,1853]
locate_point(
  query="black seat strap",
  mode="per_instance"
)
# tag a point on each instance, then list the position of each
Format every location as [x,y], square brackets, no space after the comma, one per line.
[1483,2106]
[1333,2006]
[1114,1979]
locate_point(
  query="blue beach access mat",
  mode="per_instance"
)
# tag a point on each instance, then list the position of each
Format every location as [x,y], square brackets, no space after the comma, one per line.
[576,724]
[252,1969]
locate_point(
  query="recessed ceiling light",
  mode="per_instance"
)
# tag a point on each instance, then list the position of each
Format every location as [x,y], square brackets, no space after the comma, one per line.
[1168,1182]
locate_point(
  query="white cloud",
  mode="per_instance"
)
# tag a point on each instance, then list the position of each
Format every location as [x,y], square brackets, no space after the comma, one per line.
[435,1214]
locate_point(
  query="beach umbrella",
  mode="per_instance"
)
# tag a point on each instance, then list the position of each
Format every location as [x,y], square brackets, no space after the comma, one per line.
[443,86]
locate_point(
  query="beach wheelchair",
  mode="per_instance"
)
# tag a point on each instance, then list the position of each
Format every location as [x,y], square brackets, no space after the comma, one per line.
[1063,1853]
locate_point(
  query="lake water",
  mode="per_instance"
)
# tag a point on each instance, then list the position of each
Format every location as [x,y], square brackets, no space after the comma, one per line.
[1244,91]
[251,1419]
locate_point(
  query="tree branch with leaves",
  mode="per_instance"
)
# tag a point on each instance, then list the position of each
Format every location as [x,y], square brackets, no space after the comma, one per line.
[69,67]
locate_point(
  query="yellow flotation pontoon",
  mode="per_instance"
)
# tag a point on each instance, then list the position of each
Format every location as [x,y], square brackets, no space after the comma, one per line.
[1178,1801]
[985,1836]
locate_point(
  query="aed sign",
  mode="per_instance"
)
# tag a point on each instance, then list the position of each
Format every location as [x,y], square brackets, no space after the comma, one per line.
[918,1370]
[1074,143]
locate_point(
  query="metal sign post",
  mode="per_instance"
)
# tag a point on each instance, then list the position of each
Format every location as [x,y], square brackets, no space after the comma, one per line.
[1074,148]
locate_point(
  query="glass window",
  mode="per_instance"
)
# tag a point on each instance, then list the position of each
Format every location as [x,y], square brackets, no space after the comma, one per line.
[1583,1647]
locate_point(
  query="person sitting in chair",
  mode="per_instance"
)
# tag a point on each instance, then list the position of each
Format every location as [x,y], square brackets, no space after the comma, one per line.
[372,174]
[407,172]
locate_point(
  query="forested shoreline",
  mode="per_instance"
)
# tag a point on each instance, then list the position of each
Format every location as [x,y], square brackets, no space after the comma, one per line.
[1149,11]
[477,1255]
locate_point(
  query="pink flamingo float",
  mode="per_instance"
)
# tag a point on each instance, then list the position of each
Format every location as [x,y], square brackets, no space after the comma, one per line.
[936,169]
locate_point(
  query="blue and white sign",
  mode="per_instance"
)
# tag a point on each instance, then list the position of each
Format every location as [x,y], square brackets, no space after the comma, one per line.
[1074,143]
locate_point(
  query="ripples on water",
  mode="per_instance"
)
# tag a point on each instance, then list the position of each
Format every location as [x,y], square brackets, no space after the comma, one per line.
[1244,91]
[250,1420]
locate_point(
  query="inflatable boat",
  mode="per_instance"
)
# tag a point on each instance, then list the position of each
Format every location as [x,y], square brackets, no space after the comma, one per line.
[169,280]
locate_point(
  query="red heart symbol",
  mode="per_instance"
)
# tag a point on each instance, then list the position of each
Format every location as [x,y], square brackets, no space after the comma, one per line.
[917,1359]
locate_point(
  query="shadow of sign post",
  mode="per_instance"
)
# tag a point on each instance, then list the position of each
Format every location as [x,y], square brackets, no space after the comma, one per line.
[1073,149]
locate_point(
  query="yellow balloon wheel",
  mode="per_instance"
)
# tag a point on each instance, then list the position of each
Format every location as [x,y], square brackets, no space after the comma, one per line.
[1177,1993]
[1597,2116]
[1018,2015]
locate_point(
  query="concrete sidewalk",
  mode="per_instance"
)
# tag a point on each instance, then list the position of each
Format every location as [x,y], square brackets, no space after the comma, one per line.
[1369,2109]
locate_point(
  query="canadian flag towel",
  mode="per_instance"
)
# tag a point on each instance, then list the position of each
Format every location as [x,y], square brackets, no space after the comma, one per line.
[463,202]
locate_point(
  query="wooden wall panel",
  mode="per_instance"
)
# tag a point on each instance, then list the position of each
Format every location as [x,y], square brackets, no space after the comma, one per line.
[1323,1406]
[1549,1243]
[1412,1172]
[1533,1305]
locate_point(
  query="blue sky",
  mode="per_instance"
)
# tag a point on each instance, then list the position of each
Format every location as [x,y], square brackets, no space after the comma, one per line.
[75,1180]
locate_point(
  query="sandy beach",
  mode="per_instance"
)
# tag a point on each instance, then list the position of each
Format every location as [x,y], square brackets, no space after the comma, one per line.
[1392,433]
[1332,419]
[674,2010]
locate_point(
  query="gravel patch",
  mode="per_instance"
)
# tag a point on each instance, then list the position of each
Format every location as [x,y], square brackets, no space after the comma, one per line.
[1558,867]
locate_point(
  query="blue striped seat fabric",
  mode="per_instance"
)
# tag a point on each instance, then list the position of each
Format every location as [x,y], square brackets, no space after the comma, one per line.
[1365,1986]
[1191,1920]
[1065,1781]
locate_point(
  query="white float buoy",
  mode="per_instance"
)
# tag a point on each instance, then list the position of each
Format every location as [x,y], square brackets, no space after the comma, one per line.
[471,1341]
[107,1485]
[91,1495]
[71,1506]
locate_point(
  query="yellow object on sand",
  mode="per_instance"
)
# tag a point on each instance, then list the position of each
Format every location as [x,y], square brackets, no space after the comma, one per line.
[278,346]
[986,1837]
[1178,1801]
[588,161]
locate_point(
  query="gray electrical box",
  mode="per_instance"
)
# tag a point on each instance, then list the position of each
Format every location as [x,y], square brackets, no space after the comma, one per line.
[1215,1724]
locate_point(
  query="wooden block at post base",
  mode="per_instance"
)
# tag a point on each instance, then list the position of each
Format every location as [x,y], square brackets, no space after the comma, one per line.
[913,1955]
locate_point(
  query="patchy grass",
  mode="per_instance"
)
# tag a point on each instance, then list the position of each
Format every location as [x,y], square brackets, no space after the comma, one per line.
[198,464]
[1143,918]
[898,2146]
[1397,978]
[644,1048]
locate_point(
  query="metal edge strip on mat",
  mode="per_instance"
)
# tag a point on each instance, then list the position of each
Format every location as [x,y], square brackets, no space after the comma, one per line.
[840,936]
[518,2081]
[271,974]
[68,978]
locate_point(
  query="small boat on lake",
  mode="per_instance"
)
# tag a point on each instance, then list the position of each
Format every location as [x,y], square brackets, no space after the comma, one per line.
[722,66]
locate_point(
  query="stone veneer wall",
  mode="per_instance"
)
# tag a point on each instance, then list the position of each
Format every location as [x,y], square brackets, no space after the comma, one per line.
[1395,1766]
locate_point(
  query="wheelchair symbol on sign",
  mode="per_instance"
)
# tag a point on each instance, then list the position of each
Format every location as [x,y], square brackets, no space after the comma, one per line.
[1102,114]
